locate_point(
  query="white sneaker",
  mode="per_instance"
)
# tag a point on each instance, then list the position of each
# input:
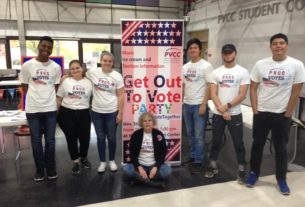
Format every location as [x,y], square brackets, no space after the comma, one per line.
[102,167]
[112,166]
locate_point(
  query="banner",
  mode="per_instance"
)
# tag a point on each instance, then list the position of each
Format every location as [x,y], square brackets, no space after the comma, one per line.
[152,52]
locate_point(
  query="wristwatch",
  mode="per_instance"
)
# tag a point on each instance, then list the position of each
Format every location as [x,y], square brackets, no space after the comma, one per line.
[229,105]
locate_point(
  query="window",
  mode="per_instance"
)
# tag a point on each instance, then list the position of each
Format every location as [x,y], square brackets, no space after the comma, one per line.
[66,48]
[2,56]
[92,52]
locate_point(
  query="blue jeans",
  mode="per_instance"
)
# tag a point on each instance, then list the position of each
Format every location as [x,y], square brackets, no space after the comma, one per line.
[195,127]
[105,127]
[43,123]
[163,172]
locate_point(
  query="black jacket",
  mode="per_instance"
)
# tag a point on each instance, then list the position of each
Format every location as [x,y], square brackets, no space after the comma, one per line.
[159,144]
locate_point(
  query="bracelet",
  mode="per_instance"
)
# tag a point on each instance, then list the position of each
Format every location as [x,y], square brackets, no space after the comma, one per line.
[229,105]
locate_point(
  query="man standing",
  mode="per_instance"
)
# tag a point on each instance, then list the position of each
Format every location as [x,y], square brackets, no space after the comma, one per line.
[276,83]
[195,97]
[40,77]
[229,84]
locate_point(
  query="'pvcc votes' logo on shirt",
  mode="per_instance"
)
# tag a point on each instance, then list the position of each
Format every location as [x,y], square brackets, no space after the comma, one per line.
[227,81]
[104,84]
[42,77]
[77,92]
[191,75]
[275,77]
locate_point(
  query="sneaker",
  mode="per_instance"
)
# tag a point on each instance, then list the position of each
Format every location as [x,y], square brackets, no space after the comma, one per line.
[241,177]
[38,177]
[76,168]
[85,163]
[188,161]
[283,187]
[52,175]
[112,165]
[211,171]
[195,168]
[102,167]
[251,180]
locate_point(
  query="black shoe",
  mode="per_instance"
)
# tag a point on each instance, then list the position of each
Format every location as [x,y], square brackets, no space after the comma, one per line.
[241,177]
[52,175]
[39,177]
[76,168]
[188,161]
[196,168]
[157,184]
[211,171]
[85,163]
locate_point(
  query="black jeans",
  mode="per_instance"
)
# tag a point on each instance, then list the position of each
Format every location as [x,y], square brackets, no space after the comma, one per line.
[76,126]
[279,125]
[235,126]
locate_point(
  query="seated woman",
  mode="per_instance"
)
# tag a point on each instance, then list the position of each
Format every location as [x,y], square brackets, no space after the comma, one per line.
[147,152]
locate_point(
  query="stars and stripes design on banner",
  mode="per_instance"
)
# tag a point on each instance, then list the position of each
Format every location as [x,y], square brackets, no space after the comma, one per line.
[152,33]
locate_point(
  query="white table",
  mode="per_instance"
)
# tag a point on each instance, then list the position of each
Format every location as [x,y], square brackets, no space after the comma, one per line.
[10,83]
[10,118]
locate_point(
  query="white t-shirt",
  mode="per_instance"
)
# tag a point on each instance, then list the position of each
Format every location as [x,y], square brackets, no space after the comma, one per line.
[75,93]
[41,79]
[276,79]
[104,90]
[146,156]
[195,79]
[229,81]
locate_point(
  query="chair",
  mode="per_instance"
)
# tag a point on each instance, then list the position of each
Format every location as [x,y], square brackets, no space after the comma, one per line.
[21,131]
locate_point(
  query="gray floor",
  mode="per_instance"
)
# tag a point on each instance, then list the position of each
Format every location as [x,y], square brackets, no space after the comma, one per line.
[18,189]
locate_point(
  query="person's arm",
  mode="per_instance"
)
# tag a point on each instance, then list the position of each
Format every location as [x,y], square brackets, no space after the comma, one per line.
[253,96]
[59,100]
[294,97]
[215,98]
[24,87]
[240,97]
[120,96]
[203,105]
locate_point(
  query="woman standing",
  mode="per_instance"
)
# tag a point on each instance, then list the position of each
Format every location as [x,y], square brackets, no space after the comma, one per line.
[73,98]
[107,108]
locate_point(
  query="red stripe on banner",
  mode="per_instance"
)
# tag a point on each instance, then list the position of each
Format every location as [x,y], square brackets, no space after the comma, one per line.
[176,106]
[173,152]
[128,74]
[130,29]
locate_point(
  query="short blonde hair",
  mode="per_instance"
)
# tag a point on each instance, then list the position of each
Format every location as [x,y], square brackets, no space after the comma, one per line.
[144,115]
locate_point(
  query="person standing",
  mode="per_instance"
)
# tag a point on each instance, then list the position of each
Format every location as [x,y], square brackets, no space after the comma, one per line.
[73,100]
[195,98]
[107,108]
[276,83]
[229,84]
[40,77]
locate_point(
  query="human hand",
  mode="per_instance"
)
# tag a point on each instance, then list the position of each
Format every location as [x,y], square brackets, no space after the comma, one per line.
[202,109]
[226,116]
[142,172]
[119,118]
[153,172]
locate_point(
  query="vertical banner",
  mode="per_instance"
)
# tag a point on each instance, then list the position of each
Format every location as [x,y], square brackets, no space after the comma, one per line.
[152,58]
